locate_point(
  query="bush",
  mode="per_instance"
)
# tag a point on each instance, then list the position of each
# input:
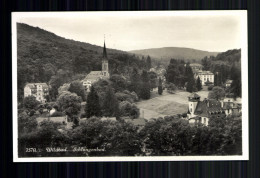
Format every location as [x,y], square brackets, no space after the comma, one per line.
[83,115]
[128,109]
[57,114]
[210,87]
[171,87]
[126,96]
[32,112]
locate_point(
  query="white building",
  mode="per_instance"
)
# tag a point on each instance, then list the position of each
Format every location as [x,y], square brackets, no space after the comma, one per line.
[205,76]
[38,90]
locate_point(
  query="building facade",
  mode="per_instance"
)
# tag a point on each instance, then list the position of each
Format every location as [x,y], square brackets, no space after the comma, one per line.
[202,111]
[206,77]
[94,76]
[38,90]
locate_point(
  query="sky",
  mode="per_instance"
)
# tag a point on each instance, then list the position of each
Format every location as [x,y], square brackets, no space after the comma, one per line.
[215,32]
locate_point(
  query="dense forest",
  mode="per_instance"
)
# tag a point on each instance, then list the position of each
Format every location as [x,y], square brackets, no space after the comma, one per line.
[45,57]
[226,65]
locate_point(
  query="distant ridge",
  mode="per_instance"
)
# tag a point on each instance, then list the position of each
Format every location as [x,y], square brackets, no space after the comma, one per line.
[174,52]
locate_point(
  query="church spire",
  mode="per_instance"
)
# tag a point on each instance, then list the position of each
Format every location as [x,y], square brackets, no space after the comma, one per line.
[104,50]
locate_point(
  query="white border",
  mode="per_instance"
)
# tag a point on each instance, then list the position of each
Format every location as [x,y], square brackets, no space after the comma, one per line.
[244,73]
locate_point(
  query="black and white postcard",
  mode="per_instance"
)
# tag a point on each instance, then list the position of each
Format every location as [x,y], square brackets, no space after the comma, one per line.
[130,86]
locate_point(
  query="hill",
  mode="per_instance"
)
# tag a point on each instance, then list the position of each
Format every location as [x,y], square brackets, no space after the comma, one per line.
[167,53]
[43,56]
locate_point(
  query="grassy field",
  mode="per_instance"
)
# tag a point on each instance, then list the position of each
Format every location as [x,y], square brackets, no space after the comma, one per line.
[166,104]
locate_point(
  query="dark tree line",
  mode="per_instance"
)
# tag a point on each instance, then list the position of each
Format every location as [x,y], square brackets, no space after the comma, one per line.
[180,74]
[170,136]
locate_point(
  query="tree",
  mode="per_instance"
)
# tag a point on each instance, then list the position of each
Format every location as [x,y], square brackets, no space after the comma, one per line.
[153,79]
[78,88]
[191,85]
[110,105]
[135,82]
[206,63]
[176,72]
[198,84]
[216,93]
[169,136]
[58,80]
[236,87]
[129,109]
[148,63]
[30,103]
[119,82]
[160,89]
[116,138]
[26,123]
[171,88]
[92,107]
[131,97]
[69,103]
[145,86]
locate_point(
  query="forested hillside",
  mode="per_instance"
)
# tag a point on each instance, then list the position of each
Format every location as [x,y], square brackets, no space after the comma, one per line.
[45,57]
[226,65]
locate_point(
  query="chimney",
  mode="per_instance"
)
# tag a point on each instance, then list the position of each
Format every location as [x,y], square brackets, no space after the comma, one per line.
[222,103]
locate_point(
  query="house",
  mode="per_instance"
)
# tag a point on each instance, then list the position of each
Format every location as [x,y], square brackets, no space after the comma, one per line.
[206,77]
[94,76]
[38,90]
[230,107]
[228,83]
[202,111]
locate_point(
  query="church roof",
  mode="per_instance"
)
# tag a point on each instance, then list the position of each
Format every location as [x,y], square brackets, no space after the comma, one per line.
[94,75]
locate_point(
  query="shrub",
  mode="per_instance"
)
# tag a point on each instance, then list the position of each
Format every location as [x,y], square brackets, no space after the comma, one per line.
[83,115]
[128,109]
[210,87]
[171,87]
[57,114]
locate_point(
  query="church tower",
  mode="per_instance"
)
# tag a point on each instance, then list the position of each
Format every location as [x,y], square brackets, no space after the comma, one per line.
[105,71]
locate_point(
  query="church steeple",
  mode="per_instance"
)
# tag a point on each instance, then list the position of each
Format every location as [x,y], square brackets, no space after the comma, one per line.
[105,70]
[104,51]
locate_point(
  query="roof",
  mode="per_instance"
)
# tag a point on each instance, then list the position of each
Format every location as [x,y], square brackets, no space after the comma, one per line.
[208,106]
[195,118]
[194,95]
[195,64]
[200,72]
[229,81]
[93,75]
[227,105]
[34,85]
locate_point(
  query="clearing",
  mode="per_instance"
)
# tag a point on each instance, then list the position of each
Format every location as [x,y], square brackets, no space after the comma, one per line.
[166,104]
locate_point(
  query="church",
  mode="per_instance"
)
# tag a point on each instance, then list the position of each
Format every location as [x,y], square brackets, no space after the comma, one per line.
[94,76]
